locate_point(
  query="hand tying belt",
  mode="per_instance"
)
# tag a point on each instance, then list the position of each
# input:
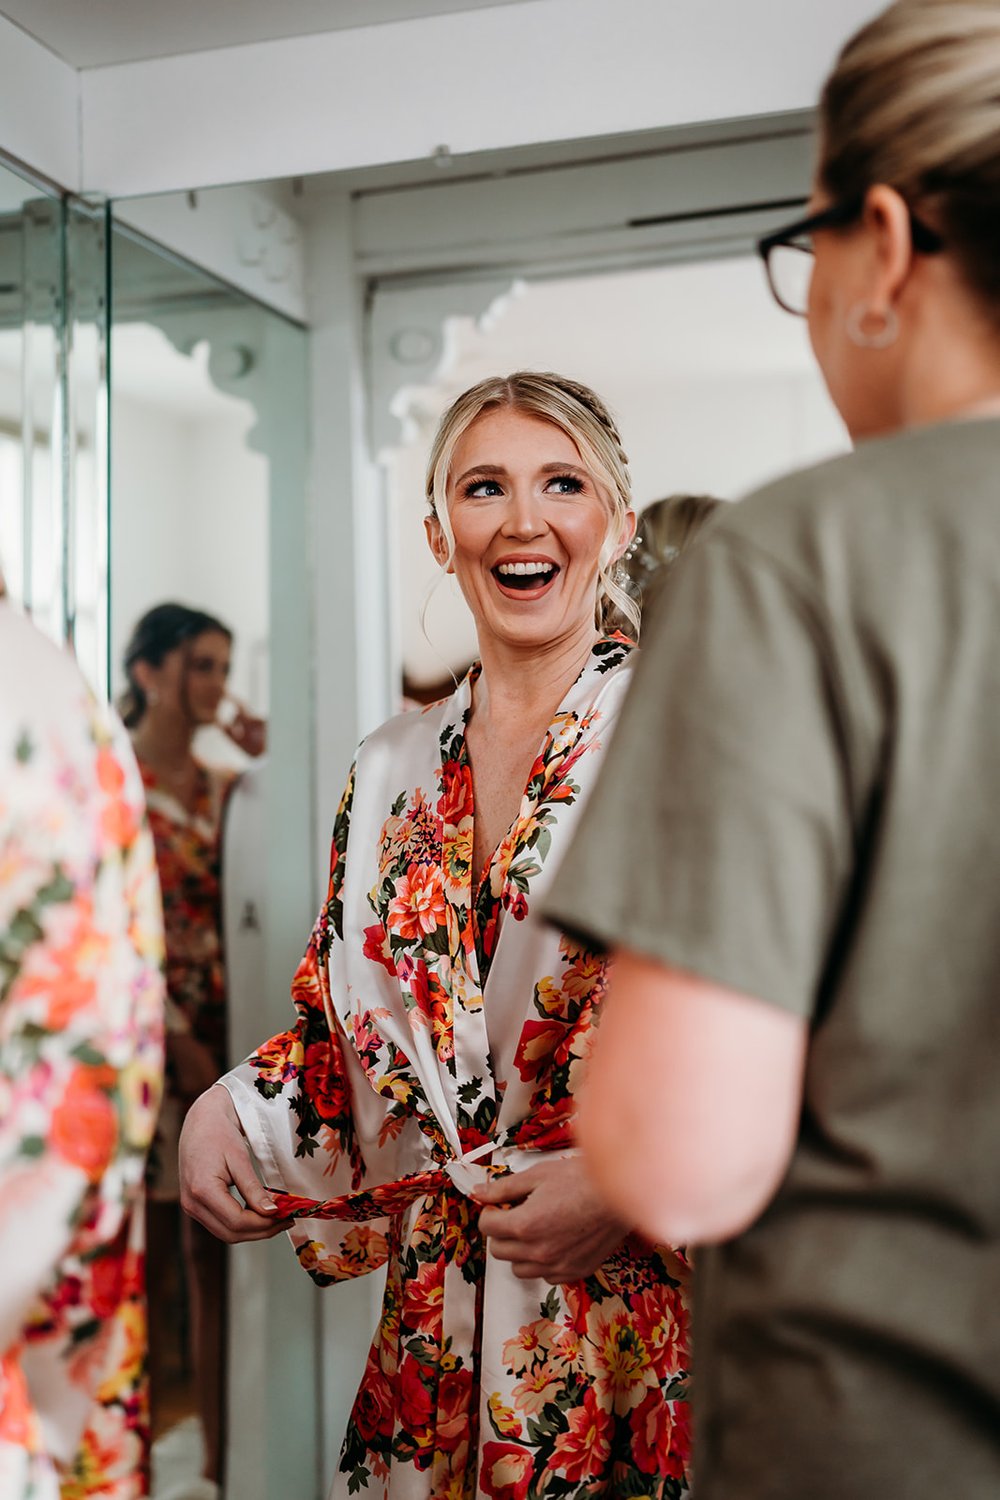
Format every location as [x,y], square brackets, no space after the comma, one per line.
[392,1198]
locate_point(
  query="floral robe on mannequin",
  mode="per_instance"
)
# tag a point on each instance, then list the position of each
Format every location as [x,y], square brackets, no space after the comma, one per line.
[440,1030]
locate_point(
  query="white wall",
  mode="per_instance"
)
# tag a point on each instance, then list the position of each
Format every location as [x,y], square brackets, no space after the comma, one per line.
[189,522]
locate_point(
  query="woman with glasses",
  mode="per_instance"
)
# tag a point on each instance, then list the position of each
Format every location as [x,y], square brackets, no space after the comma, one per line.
[793,849]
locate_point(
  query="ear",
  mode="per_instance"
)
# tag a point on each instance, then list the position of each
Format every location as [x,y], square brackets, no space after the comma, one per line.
[144,674]
[886,219]
[438,542]
[628,534]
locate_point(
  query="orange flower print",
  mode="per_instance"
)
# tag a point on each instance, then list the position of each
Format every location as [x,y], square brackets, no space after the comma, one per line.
[619,1356]
[506,1471]
[418,907]
[18,1424]
[539,1386]
[280,1059]
[424,1299]
[534,1339]
[84,1126]
[63,975]
[586,1447]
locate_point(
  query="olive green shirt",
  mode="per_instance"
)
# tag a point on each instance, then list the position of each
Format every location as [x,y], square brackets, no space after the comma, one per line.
[802,803]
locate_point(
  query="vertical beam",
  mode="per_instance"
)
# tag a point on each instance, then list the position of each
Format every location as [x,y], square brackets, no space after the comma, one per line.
[351,656]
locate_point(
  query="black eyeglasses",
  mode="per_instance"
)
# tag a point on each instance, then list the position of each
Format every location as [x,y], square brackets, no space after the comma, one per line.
[788,253]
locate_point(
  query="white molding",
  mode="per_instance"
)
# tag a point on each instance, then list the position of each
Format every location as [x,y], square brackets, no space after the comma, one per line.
[240,234]
[39,108]
[497,78]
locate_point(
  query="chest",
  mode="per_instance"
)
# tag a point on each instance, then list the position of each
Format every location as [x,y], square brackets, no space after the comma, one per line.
[500,771]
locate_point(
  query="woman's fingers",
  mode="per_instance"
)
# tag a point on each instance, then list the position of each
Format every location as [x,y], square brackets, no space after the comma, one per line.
[213,1159]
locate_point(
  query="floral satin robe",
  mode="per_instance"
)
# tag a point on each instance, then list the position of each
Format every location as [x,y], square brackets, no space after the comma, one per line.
[188,858]
[440,1030]
[81,1001]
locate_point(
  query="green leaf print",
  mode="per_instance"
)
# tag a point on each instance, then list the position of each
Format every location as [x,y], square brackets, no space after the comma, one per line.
[24,749]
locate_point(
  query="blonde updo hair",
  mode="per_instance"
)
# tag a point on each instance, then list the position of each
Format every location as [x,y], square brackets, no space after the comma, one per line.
[581,414]
[914,102]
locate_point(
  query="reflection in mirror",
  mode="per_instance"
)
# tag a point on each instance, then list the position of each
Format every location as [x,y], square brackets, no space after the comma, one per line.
[52,411]
[193,402]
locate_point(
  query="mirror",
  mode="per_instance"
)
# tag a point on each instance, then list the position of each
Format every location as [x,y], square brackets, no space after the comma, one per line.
[207,463]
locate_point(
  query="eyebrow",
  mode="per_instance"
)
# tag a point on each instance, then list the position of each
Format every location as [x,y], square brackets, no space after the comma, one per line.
[490,471]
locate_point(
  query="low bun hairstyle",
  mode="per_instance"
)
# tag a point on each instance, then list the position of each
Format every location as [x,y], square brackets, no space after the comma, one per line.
[160,631]
[914,102]
[583,417]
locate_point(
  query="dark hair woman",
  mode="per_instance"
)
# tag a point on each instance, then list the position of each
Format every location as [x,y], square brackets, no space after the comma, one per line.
[177,665]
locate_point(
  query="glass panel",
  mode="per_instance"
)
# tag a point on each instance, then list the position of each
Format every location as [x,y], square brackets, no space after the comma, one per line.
[208,464]
[34,510]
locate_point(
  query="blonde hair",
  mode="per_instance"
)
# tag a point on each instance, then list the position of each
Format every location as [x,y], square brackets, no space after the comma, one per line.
[581,414]
[914,102]
[666,529]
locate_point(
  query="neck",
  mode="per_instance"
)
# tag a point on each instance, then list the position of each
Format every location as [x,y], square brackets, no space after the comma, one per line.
[163,741]
[521,684]
[954,375]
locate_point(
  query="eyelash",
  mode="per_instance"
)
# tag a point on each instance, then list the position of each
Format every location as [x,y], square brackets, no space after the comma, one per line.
[573,482]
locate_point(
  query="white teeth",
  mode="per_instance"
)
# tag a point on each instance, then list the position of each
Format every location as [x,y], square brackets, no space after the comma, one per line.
[524,568]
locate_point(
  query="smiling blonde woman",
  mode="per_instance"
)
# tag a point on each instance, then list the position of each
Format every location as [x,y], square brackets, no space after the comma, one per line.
[421,1113]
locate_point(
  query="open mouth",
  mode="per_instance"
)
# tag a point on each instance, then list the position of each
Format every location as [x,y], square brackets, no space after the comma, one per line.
[525,577]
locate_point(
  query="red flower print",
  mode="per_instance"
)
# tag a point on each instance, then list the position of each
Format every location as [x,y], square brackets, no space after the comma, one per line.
[506,1471]
[415,1404]
[516,904]
[456,801]
[652,1427]
[539,1040]
[373,1409]
[454,1405]
[586,1447]
[324,1081]
[418,905]
[377,948]
[661,1321]
[107,1283]
[84,1128]
[424,1299]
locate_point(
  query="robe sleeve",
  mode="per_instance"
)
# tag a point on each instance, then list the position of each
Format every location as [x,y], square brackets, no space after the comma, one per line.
[312,1119]
[81,996]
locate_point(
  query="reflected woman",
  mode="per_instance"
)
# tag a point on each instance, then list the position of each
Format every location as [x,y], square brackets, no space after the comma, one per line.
[177,665]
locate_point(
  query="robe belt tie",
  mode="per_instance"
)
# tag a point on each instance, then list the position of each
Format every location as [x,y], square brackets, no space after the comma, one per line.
[459,1174]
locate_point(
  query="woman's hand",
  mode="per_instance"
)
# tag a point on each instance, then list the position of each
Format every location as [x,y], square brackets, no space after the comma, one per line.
[213,1158]
[549,1221]
[247,731]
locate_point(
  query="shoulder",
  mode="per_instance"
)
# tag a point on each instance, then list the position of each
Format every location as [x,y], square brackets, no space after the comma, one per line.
[857,512]
[39,681]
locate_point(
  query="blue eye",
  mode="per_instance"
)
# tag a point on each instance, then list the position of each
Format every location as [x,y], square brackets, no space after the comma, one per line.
[566,484]
[482,489]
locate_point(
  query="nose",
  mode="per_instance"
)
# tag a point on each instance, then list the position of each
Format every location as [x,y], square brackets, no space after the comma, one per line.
[525,515]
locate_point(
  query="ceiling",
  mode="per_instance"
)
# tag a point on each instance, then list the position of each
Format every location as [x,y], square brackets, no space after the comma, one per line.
[93,33]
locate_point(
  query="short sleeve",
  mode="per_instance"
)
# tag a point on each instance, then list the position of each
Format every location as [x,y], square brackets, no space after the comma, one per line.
[718,839]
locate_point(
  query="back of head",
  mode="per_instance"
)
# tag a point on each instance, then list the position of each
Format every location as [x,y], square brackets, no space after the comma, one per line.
[158,632]
[914,102]
[666,528]
[585,419]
